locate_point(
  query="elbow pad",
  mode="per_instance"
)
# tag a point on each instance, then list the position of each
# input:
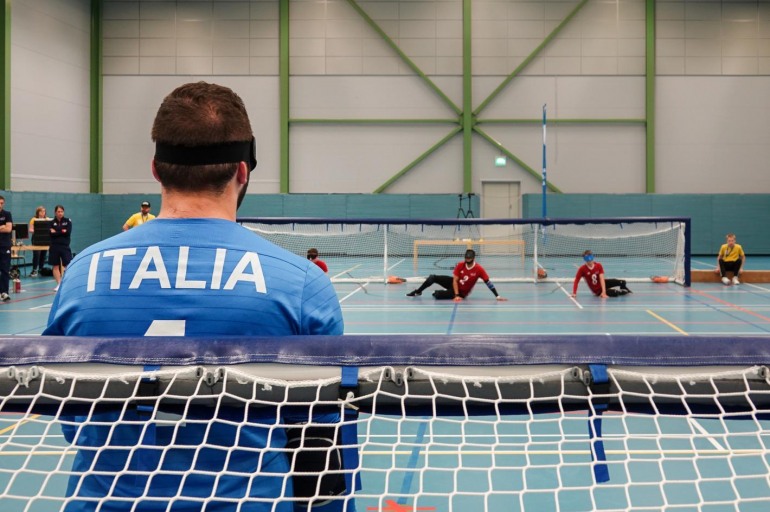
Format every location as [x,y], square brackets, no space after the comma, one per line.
[491,287]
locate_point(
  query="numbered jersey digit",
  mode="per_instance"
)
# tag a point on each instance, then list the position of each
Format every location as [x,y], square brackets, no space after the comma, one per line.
[166,328]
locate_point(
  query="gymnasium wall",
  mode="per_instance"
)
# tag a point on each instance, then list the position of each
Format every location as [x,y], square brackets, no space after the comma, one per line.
[713,215]
[96,217]
[712,116]
[50,102]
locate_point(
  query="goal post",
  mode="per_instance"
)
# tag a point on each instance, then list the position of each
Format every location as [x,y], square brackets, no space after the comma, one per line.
[524,250]
[443,423]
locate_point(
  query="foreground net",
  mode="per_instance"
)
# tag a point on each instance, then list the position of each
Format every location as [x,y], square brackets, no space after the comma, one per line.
[362,250]
[618,427]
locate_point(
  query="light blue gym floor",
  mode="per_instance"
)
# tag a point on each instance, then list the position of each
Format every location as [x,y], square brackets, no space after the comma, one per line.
[665,466]
[542,309]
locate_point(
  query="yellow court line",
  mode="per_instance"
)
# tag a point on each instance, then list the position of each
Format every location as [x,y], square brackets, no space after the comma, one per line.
[682,331]
[17,425]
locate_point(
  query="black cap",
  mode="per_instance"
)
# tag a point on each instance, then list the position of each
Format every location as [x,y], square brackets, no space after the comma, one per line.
[145,204]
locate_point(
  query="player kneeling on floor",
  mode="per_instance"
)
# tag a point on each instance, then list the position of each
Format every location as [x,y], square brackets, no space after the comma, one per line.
[460,284]
[593,273]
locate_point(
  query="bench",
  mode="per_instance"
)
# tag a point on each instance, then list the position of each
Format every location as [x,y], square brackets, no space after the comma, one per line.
[748,276]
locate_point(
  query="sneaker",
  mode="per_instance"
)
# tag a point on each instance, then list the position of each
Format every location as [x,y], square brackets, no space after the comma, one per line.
[725,281]
[627,290]
[33,273]
[414,293]
[735,280]
[5,297]
[56,289]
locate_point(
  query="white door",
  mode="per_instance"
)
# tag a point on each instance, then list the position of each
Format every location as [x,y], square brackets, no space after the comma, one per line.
[501,200]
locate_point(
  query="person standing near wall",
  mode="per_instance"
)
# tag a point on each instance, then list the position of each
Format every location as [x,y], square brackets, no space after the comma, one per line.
[140,217]
[59,252]
[6,226]
[38,257]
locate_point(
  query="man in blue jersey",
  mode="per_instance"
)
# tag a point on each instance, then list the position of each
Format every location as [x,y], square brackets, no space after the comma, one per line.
[191,272]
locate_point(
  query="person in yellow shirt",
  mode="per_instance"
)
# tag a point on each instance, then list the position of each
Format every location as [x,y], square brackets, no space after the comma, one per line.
[139,218]
[731,258]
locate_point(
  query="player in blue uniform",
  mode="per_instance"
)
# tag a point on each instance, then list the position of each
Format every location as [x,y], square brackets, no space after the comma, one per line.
[191,272]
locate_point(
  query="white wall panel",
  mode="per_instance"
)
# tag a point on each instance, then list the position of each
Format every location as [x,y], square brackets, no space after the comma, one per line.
[713,135]
[708,124]
[50,100]
[130,105]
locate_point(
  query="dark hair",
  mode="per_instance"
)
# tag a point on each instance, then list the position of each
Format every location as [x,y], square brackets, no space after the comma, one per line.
[199,114]
[586,253]
[470,253]
[312,253]
[57,207]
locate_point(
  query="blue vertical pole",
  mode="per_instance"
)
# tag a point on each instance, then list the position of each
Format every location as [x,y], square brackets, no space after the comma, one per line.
[544,165]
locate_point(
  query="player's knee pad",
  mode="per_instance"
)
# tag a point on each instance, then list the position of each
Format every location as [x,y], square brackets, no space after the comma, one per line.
[443,295]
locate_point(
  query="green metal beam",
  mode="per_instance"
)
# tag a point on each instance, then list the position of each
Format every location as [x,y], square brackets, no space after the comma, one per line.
[467,115]
[283,86]
[403,56]
[372,121]
[517,160]
[96,143]
[416,161]
[530,57]
[539,121]
[649,103]
[5,95]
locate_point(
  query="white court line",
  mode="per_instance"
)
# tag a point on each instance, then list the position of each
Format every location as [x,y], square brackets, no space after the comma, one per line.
[396,264]
[707,435]
[43,306]
[661,453]
[708,265]
[347,271]
[763,288]
[568,294]
[360,287]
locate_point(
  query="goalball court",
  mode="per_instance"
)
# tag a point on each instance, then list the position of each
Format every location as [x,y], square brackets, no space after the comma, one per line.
[653,401]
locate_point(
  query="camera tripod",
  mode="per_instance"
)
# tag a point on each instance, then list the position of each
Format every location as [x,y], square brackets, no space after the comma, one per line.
[462,213]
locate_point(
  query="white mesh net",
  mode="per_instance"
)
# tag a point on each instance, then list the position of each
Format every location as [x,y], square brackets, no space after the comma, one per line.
[443,439]
[511,250]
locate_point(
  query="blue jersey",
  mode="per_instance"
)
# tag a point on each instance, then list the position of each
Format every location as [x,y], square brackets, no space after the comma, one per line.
[194,277]
[5,238]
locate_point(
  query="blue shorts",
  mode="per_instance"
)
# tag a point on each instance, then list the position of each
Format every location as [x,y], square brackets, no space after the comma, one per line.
[59,255]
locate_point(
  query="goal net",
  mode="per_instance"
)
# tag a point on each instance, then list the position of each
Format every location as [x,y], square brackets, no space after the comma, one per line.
[554,424]
[634,249]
